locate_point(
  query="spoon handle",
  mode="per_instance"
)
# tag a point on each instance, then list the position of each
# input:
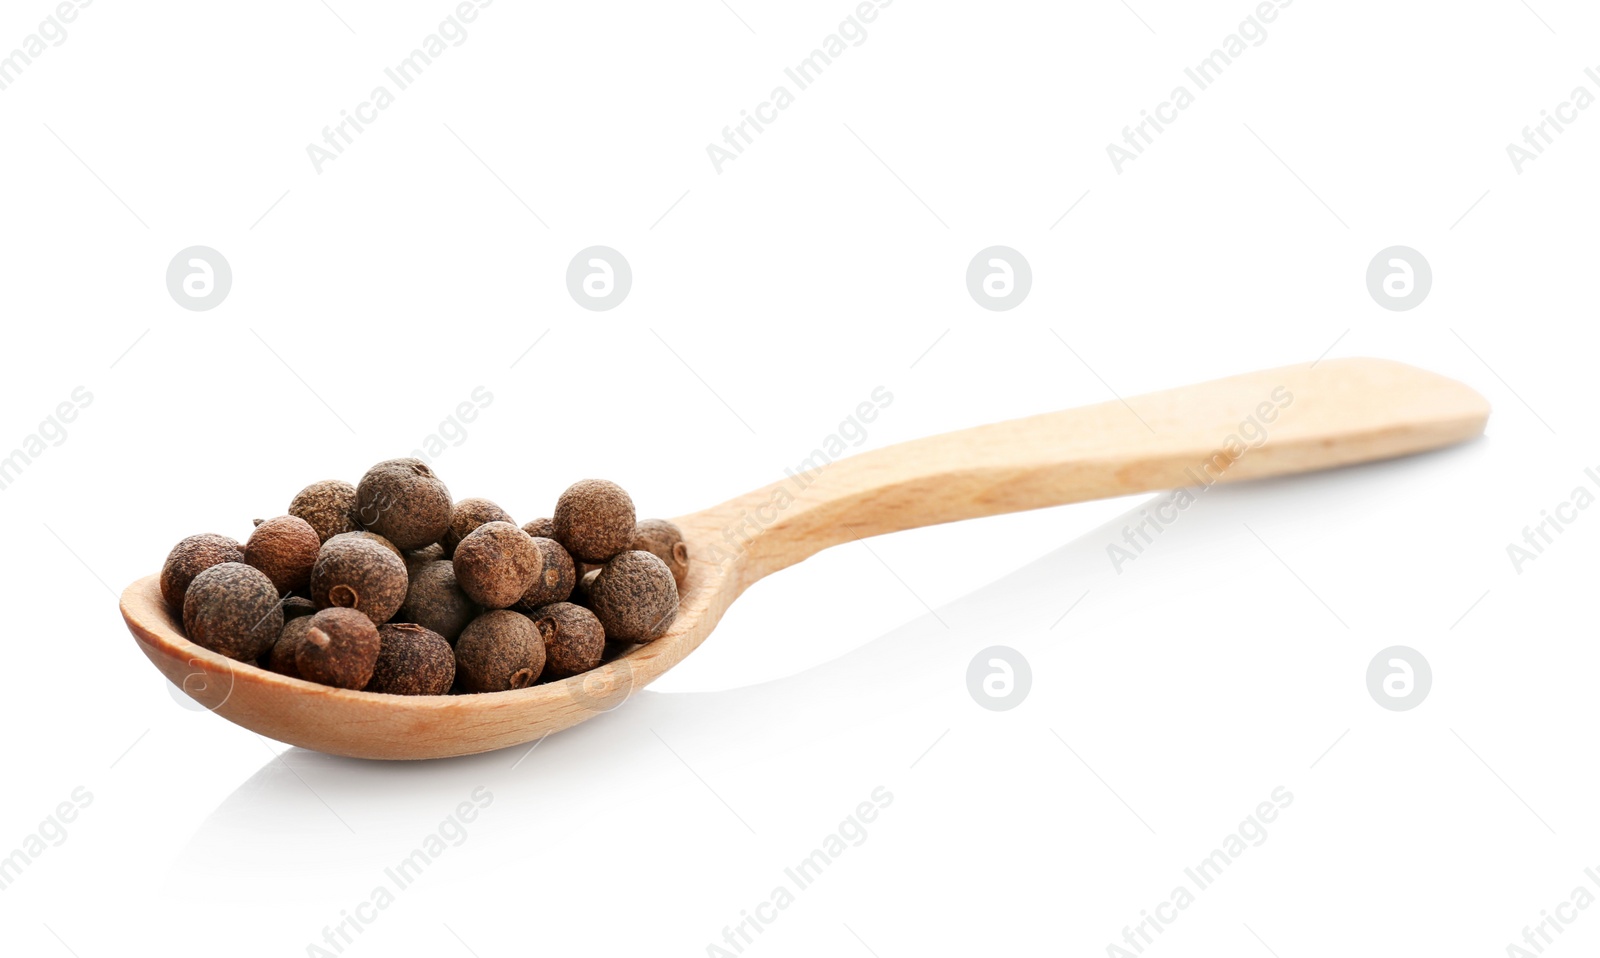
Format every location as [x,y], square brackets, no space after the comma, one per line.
[1269,423]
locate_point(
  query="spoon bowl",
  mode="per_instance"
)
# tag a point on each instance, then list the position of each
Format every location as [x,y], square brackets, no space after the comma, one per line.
[1274,422]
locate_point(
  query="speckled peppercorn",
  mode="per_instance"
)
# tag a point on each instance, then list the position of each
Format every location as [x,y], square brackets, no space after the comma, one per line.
[467,515]
[635,597]
[285,549]
[498,651]
[435,600]
[282,657]
[296,606]
[329,506]
[370,537]
[583,592]
[188,559]
[594,520]
[555,580]
[412,660]
[574,640]
[417,558]
[340,648]
[403,501]
[359,573]
[232,609]
[664,540]
[496,563]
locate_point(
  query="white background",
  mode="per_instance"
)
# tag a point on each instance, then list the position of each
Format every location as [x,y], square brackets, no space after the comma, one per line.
[767,302]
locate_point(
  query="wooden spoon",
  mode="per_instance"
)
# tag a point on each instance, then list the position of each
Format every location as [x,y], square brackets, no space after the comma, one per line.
[1295,419]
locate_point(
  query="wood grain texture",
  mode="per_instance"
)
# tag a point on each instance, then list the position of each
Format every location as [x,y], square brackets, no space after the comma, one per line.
[1322,415]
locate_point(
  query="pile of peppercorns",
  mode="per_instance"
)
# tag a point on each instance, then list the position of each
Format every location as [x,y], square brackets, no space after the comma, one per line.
[391,586]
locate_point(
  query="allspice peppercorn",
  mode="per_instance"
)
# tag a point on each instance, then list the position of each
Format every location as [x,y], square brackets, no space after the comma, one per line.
[419,557]
[232,609]
[329,506]
[296,606]
[498,651]
[556,579]
[285,549]
[583,592]
[359,573]
[496,563]
[392,587]
[403,501]
[281,659]
[634,597]
[188,559]
[594,520]
[372,537]
[664,540]
[340,648]
[467,515]
[574,640]
[412,660]
[435,600]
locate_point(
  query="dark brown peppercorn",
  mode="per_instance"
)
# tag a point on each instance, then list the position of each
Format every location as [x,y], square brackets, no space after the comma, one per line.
[540,528]
[665,541]
[282,657]
[634,597]
[412,660]
[499,650]
[467,515]
[556,577]
[583,592]
[372,537]
[574,640]
[340,649]
[359,573]
[232,609]
[188,559]
[285,549]
[403,501]
[594,520]
[435,601]
[329,506]
[496,563]
[296,606]
[419,557]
